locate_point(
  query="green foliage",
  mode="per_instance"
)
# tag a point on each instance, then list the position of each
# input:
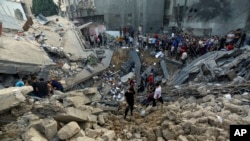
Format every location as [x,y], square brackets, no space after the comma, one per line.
[45,7]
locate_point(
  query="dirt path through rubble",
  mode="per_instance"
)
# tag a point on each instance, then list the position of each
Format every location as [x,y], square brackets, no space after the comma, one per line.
[120,125]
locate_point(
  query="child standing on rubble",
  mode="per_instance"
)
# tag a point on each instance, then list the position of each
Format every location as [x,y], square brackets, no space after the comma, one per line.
[129,95]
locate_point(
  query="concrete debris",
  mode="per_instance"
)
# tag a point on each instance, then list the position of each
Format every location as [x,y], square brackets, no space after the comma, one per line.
[33,135]
[216,67]
[68,131]
[13,96]
[73,114]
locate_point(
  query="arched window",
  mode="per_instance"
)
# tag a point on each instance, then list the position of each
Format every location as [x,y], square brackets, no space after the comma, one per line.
[18,14]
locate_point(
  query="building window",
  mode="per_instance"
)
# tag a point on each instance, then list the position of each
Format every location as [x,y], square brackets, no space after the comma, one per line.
[191,10]
[117,15]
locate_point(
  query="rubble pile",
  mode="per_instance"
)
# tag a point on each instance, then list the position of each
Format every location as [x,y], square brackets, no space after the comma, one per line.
[65,116]
[217,66]
[198,112]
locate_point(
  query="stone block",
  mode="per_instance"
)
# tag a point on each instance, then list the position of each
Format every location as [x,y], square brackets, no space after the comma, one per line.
[182,138]
[92,133]
[75,101]
[109,135]
[231,75]
[11,97]
[235,109]
[160,139]
[50,128]
[81,133]
[171,115]
[68,131]
[101,120]
[169,134]
[92,118]
[66,67]
[33,135]
[88,91]
[72,114]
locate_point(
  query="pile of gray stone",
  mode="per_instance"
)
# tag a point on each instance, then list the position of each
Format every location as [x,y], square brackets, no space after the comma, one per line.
[199,112]
[63,116]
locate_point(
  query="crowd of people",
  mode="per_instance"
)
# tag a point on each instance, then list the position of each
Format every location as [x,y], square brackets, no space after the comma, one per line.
[182,46]
[41,88]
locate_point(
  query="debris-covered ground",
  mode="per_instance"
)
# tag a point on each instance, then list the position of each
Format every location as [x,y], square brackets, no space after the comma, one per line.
[190,112]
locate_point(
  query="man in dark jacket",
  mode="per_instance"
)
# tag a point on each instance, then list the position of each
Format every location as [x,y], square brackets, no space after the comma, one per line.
[56,85]
[42,88]
[130,101]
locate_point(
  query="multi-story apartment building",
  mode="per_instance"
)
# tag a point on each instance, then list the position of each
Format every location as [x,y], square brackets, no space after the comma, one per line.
[213,16]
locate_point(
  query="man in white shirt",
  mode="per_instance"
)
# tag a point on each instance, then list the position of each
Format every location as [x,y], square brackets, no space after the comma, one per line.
[157,94]
[184,58]
[131,40]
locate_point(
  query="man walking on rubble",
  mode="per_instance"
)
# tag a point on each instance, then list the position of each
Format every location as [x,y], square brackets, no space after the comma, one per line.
[157,94]
[183,58]
[129,95]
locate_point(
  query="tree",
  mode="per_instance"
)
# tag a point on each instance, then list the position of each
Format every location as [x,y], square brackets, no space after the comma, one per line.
[45,7]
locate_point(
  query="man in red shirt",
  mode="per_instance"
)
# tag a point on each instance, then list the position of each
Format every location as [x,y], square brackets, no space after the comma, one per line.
[131,82]
[230,46]
[151,78]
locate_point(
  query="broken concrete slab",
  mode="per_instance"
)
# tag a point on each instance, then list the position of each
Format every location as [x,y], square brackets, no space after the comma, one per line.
[85,74]
[135,57]
[13,96]
[90,91]
[28,58]
[127,66]
[125,78]
[221,59]
[72,114]
[78,98]
[164,69]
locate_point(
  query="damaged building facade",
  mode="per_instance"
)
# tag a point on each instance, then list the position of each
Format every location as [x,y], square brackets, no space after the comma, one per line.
[196,16]
[115,14]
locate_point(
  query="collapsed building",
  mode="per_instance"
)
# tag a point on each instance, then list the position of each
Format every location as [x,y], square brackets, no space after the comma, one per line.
[201,100]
